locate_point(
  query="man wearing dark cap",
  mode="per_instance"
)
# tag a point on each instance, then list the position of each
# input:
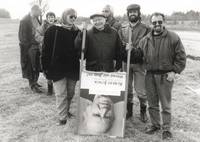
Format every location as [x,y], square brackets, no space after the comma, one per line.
[103,45]
[136,70]
[108,12]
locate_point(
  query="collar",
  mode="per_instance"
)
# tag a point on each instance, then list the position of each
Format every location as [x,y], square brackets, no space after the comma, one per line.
[135,24]
[107,29]
[150,35]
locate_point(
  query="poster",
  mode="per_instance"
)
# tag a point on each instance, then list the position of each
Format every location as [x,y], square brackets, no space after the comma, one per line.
[101,103]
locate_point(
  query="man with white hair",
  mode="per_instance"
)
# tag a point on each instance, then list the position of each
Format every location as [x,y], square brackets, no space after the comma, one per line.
[108,12]
[103,46]
[29,48]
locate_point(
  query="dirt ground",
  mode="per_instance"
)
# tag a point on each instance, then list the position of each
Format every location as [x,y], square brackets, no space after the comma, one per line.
[29,117]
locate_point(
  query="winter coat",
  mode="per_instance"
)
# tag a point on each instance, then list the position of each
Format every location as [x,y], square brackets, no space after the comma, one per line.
[26,41]
[138,32]
[168,56]
[59,57]
[102,48]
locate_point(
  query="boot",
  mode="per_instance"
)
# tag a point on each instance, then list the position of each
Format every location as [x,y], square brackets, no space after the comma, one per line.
[143,109]
[50,88]
[129,113]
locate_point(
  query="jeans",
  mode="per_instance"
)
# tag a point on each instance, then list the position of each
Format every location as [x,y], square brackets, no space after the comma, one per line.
[64,92]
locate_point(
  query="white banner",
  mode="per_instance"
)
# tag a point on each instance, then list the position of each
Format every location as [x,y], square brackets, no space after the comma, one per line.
[103,83]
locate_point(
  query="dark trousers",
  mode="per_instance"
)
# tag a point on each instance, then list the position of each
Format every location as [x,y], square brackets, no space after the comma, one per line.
[158,89]
[34,57]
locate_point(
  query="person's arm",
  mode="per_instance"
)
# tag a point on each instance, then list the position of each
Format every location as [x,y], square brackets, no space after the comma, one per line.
[180,57]
[23,33]
[39,35]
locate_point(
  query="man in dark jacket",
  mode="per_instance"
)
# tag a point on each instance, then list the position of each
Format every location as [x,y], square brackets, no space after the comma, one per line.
[108,12]
[164,56]
[29,48]
[60,62]
[103,45]
[136,70]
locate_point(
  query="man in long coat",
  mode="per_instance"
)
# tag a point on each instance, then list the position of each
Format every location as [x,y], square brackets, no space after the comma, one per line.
[29,48]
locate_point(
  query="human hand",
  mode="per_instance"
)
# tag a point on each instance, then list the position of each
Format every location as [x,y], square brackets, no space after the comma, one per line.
[129,46]
[170,76]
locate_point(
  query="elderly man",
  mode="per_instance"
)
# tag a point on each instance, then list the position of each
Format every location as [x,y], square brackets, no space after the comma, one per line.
[136,70]
[29,48]
[108,12]
[103,46]
[164,56]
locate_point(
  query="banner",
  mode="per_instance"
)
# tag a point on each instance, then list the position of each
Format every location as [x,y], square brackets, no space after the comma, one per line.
[101,107]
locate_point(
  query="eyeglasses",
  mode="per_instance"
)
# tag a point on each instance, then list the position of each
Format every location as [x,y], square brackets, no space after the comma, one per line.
[72,16]
[159,22]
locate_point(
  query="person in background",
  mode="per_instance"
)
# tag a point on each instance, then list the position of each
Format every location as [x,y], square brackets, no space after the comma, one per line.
[39,36]
[163,56]
[60,62]
[136,70]
[108,12]
[29,48]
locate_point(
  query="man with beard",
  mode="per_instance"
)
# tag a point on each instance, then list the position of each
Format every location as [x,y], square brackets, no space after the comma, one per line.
[136,70]
[164,56]
[108,12]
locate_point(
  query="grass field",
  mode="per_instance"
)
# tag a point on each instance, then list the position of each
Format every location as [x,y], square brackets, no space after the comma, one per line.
[29,117]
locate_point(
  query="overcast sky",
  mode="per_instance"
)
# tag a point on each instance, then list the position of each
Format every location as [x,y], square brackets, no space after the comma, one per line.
[18,8]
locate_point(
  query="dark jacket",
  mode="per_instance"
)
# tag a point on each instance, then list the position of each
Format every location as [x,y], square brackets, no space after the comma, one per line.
[26,41]
[168,56]
[138,32]
[102,49]
[59,57]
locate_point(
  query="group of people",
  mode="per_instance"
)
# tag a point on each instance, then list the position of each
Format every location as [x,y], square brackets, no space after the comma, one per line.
[54,47]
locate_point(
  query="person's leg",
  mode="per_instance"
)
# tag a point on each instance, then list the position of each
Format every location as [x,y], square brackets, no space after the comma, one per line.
[50,87]
[139,86]
[33,53]
[71,84]
[165,89]
[153,101]
[60,87]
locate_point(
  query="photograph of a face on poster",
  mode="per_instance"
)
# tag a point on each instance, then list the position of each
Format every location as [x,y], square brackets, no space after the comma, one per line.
[102,114]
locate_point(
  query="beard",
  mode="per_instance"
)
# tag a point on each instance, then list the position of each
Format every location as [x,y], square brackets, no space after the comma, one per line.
[158,29]
[133,18]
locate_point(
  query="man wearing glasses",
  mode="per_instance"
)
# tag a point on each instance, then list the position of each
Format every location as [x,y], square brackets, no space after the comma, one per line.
[164,56]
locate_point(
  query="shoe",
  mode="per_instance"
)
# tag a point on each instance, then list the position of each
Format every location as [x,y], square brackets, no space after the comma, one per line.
[166,135]
[152,129]
[36,89]
[62,122]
